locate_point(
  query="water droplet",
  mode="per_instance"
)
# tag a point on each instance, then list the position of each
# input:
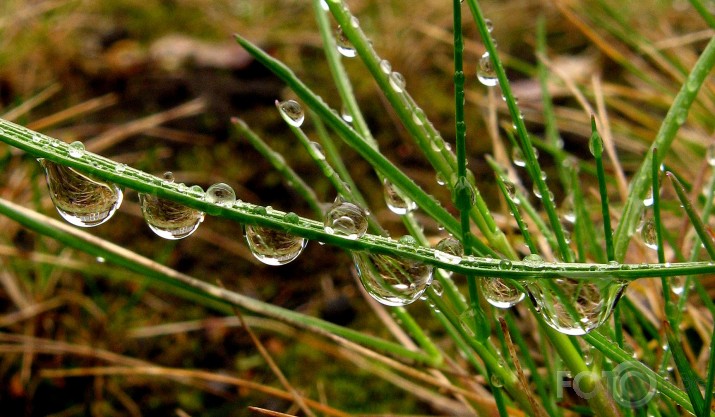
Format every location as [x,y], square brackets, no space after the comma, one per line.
[100,260]
[318,150]
[324,5]
[79,198]
[417,116]
[517,157]
[437,288]
[496,381]
[169,219]
[119,168]
[392,281]
[649,234]
[505,265]
[710,155]
[221,194]
[35,137]
[575,307]
[681,116]
[395,201]
[485,71]
[354,22]
[273,247]
[500,293]
[397,82]
[440,179]
[489,24]
[511,191]
[537,192]
[534,261]
[385,66]
[345,48]
[76,149]
[291,218]
[291,112]
[346,220]
[345,115]
[168,177]
[677,284]
[449,250]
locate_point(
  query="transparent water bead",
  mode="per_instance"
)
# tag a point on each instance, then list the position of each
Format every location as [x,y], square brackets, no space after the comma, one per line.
[324,5]
[485,71]
[395,201]
[273,247]
[385,66]
[397,81]
[534,261]
[345,48]
[575,307]
[168,219]
[76,149]
[710,155]
[79,198]
[677,284]
[291,112]
[649,234]
[511,191]
[437,288]
[346,219]
[449,250]
[168,177]
[500,293]
[221,194]
[517,157]
[318,149]
[345,115]
[392,281]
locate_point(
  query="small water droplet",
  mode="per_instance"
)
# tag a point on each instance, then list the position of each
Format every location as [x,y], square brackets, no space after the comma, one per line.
[537,192]
[168,177]
[385,66]
[345,115]
[496,381]
[511,191]
[35,137]
[440,179]
[169,219]
[397,81]
[291,218]
[395,201]
[291,112]
[119,168]
[345,48]
[417,116]
[575,307]
[437,288]
[76,149]
[449,250]
[649,234]
[489,24]
[318,150]
[485,71]
[392,281]
[346,219]
[100,260]
[681,116]
[273,247]
[221,194]
[505,265]
[80,199]
[500,293]
[534,261]
[517,157]
[677,284]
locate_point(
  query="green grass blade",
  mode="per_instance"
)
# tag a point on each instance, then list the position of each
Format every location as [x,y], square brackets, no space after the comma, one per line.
[596,145]
[698,224]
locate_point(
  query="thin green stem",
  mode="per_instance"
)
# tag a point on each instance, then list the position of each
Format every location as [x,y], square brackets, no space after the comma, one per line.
[597,150]
[698,224]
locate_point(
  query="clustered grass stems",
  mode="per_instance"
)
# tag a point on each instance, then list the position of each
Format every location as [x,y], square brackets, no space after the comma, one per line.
[475,339]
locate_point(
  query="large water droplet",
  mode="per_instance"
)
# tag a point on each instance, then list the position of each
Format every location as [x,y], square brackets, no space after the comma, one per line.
[449,250]
[500,293]
[649,234]
[397,81]
[76,149]
[221,194]
[346,219]
[273,247]
[485,71]
[575,307]
[168,219]
[392,281]
[395,201]
[80,199]
[291,112]
[345,48]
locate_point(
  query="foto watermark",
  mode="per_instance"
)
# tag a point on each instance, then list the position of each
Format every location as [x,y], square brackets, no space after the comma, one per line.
[629,385]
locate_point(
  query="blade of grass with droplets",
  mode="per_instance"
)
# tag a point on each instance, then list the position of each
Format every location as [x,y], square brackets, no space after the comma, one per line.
[584,225]
[664,138]
[690,381]
[596,146]
[278,163]
[122,257]
[534,168]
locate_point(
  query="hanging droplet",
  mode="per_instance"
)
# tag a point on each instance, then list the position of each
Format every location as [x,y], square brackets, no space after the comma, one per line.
[221,194]
[496,381]
[440,179]
[76,149]
[437,288]
[169,219]
[537,192]
[573,306]
[80,199]
[710,155]
[318,149]
[500,293]
[291,112]
[346,219]
[489,24]
[511,191]
[345,48]
[392,281]
[397,82]
[449,250]
[567,210]
[385,66]
[395,201]
[649,234]
[517,157]
[273,247]
[324,5]
[485,71]
[677,284]
[345,115]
